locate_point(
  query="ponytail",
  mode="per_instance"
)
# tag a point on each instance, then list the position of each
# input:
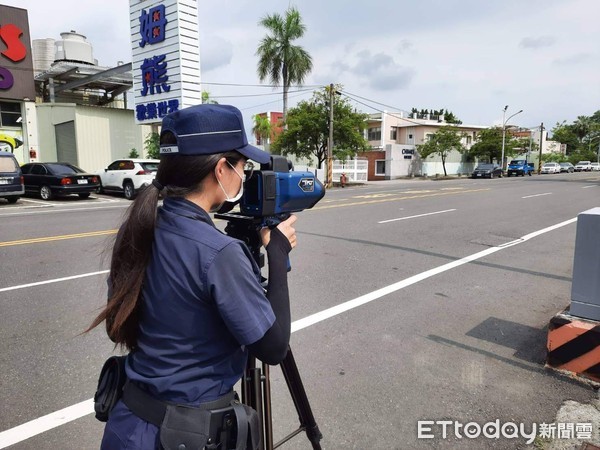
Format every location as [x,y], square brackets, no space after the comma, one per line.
[130,257]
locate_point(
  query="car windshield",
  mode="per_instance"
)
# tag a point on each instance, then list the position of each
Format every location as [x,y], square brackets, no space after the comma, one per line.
[150,167]
[549,165]
[518,161]
[485,166]
[8,164]
[63,169]
[565,164]
[583,163]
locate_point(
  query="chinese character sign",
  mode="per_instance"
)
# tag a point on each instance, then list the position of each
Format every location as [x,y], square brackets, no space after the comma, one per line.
[154,75]
[163,83]
[15,57]
[152,25]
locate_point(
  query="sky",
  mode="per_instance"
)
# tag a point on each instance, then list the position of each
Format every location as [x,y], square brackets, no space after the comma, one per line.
[471,57]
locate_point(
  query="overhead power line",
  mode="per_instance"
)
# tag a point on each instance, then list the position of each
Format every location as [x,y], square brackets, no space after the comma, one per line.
[312,86]
[259,95]
[378,110]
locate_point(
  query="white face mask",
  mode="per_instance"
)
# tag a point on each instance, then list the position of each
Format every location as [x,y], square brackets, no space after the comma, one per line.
[241,191]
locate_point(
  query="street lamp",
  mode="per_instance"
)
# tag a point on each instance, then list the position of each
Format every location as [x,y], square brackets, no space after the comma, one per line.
[504,122]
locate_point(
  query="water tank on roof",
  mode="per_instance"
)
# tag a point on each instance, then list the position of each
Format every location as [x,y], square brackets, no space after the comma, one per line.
[43,54]
[74,47]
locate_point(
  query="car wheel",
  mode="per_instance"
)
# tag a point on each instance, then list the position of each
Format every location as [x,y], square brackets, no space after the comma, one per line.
[129,190]
[491,175]
[12,199]
[86,195]
[100,189]
[45,193]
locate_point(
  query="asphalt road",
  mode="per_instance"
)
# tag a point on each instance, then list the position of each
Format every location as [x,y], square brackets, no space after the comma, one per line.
[407,306]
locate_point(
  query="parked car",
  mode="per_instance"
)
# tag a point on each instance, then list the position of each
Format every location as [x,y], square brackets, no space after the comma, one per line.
[51,179]
[11,178]
[595,166]
[128,176]
[519,167]
[583,165]
[550,167]
[567,167]
[487,170]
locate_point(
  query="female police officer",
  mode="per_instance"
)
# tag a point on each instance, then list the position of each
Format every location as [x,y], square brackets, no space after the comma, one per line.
[184,298]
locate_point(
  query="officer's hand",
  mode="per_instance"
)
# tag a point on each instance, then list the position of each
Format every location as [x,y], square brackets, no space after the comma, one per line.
[286,228]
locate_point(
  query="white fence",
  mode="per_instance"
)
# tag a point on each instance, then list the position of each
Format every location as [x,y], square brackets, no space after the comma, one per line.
[356,169]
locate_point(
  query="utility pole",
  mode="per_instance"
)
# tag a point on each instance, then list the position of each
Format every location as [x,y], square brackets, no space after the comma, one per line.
[541,144]
[329,181]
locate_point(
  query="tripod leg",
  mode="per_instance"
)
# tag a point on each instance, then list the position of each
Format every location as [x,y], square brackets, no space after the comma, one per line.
[298,393]
[252,394]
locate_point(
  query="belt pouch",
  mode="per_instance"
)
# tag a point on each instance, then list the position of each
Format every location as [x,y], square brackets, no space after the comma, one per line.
[110,386]
[185,428]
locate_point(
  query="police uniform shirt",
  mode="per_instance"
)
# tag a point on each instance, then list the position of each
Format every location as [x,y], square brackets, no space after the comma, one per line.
[202,302]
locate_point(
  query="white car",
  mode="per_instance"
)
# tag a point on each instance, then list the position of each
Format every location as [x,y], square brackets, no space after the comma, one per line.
[595,166]
[551,167]
[583,165]
[128,176]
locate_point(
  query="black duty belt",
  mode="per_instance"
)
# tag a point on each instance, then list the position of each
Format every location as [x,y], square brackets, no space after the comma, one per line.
[223,423]
[153,410]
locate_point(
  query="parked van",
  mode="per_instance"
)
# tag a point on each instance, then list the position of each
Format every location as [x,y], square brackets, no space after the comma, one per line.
[11,178]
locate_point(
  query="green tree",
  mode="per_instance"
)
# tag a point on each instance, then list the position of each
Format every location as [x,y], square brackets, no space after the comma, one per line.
[565,134]
[278,59]
[262,128]
[134,153]
[489,145]
[152,144]
[308,129]
[441,143]
[207,100]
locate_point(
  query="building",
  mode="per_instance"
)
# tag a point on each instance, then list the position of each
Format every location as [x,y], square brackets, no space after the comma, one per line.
[276,121]
[63,105]
[394,136]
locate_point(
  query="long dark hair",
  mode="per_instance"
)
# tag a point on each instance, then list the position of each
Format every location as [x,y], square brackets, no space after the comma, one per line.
[180,175]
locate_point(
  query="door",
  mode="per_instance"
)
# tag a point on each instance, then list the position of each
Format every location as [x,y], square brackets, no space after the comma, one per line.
[66,144]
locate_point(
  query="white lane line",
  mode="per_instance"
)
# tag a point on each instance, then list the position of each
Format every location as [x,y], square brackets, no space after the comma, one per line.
[58,210]
[351,304]
[537,195]
[591,185]
[45,423]
[418,215]
[56,280]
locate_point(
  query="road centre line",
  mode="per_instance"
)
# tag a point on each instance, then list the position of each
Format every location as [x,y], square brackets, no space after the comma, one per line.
[393,199]
[418,215]
[57,238]
[537,195]
[42,424]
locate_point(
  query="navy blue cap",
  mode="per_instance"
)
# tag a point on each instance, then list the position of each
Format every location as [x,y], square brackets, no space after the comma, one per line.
[209,129]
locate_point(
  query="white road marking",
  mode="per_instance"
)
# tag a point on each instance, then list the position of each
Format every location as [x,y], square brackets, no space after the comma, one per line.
[537,195]
[58,210]
[45,423]
[418,215]
[56,280]
[40,425]
[591,185]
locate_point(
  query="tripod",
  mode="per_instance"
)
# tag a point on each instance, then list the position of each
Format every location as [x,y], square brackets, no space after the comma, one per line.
[256,384]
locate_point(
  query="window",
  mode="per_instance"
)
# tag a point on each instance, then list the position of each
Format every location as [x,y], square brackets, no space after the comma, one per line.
[38,170]
[380,167]
[410,136]
[428,137]
[394,133]
[374,134]
[8,164]
[469,140]
[10,114]
[115,165]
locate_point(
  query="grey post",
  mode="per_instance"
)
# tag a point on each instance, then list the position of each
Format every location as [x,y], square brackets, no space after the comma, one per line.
[585,289]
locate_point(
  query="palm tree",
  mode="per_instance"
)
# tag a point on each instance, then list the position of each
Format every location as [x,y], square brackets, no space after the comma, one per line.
[279,60]
[262,129]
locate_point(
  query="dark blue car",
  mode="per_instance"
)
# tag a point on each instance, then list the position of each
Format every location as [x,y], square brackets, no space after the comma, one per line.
[51,179]
[11,178]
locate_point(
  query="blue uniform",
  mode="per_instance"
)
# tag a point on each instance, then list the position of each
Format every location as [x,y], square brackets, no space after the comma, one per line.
[202,302]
